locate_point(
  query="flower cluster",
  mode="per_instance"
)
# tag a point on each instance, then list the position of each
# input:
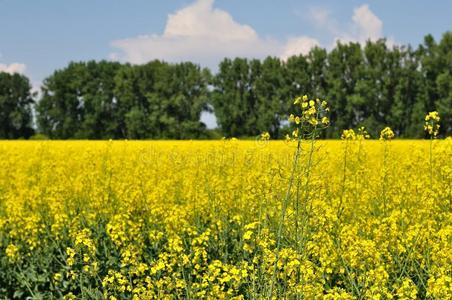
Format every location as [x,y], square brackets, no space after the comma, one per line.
[361,134]
[386,134]
[431,125]
[264,136]
[348,134]
[312,114]
[12,252]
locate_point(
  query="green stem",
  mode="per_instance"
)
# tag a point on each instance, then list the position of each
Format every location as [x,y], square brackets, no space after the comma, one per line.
[283,214]
[431,162]
[344,177]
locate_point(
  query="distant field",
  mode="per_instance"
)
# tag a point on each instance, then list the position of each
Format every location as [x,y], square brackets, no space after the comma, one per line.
[213,220]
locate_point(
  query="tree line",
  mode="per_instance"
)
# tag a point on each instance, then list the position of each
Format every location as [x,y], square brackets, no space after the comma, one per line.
[371,85]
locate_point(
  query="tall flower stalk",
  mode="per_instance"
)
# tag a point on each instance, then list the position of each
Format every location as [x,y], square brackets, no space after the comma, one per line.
[386,135]
[308,119]
[431,126]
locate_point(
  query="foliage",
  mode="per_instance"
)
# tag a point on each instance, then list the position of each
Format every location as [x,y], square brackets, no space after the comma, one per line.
[371,85]
[103,100]
[78,102]
[15,106]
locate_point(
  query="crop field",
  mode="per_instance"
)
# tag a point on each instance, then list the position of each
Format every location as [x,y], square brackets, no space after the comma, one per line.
[225,150]
[351,219]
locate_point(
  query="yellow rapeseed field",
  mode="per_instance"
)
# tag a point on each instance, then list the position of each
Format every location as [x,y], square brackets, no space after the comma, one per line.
[361,219]
[294,219]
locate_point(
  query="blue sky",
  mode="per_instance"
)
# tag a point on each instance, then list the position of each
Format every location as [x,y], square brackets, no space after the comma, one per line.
[37,37]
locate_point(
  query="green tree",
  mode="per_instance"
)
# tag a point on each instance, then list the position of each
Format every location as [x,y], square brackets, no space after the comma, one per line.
[134,88]
[407,110]
[250,96]
[15,106]
[375,89]
[317,70]
[78,102]
[369,85]
[444,83]
[60,111]
[233,98]
[271,95]
[99,102]
[344,72]
[297,79]
[435,69]
[161,100]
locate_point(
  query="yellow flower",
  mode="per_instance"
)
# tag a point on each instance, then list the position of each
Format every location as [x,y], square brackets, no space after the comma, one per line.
[70,256]
[265,136]
[431,125]
[12,252]
[57,277]
[348,134]
[387,134]
[406,290]
[69,296]
[247,235]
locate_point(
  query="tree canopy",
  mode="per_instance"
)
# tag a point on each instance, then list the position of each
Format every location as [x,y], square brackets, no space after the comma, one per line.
[103,100]
[15,106]
[372,85]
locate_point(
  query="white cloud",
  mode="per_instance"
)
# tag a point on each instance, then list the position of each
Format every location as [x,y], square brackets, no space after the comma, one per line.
[368,25]
[13,68]
[295,46]
[202,33]
[364,26]
[201,20]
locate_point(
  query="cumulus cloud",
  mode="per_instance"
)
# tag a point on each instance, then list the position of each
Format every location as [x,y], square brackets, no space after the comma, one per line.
[203,21]
[368,25]
[295,46]
[364,25]
[13,68]
[200,32]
